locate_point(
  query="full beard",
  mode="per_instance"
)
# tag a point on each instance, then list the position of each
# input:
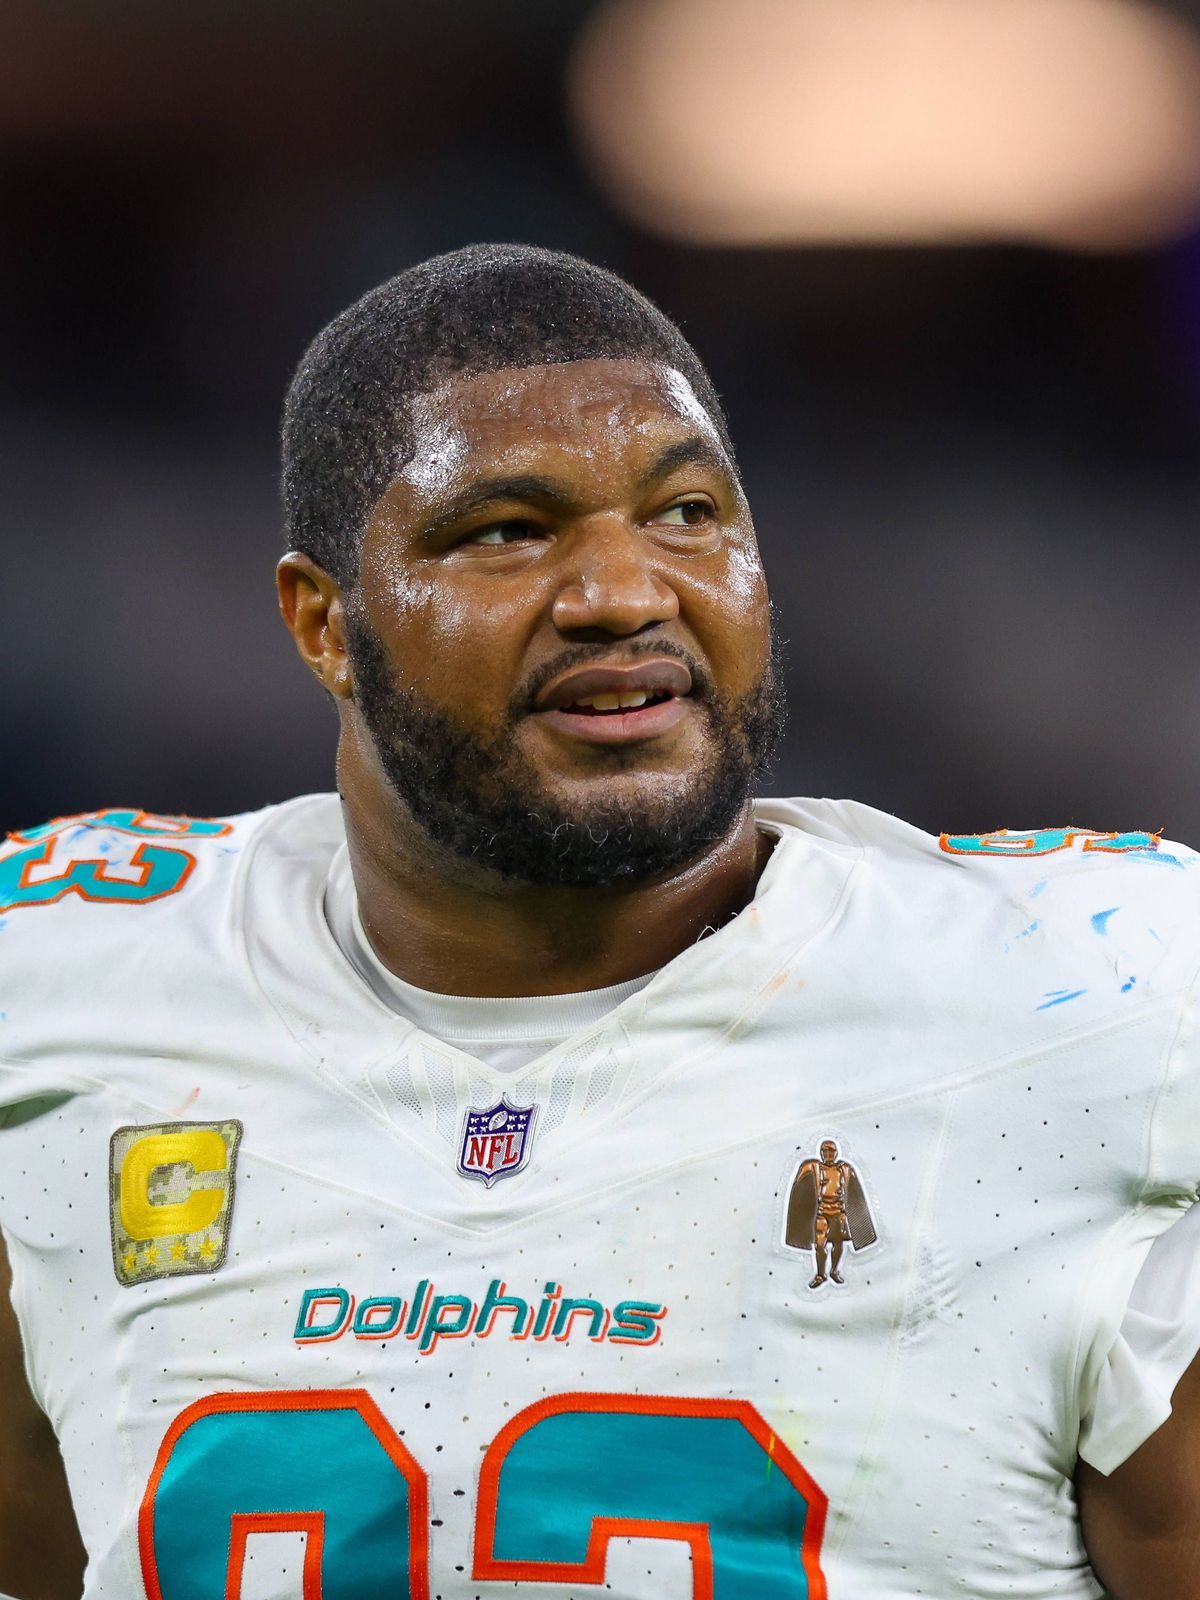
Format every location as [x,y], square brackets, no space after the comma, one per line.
[480,798]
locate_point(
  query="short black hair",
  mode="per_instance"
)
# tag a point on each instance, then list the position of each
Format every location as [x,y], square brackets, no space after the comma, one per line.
[346,431]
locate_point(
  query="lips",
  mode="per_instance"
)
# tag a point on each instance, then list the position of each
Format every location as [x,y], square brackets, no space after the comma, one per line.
[608,690]
[614,705]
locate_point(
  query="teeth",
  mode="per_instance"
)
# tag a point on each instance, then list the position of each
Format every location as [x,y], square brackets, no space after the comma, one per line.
[615,702]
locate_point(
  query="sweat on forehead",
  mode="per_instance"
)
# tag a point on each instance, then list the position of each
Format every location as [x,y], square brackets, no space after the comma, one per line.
[348,421]
[535,405]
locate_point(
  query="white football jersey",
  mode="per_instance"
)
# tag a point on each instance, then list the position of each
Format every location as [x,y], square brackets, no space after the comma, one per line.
[793,1276]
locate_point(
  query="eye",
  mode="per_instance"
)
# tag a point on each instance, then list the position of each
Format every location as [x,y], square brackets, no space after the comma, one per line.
[501,533]
[686,514]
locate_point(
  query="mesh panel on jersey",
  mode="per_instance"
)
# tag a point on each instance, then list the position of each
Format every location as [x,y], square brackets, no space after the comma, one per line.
[448,1095]
[400,1082]
[612,1059]
[438,1086]
[558,1101]
[604,1075]
[585,1075]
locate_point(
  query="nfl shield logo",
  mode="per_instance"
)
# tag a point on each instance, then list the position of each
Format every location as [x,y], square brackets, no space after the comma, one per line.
[495,1141]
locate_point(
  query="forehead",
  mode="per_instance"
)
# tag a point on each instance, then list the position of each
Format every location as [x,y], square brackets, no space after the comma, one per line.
[575,407]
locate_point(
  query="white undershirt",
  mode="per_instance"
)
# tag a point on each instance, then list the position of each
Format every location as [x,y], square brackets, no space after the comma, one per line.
[505,1033]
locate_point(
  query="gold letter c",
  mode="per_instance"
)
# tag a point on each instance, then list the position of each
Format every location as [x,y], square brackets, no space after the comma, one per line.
[202,1149]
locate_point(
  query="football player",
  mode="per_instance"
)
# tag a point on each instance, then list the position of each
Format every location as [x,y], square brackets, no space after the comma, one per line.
[415,1191]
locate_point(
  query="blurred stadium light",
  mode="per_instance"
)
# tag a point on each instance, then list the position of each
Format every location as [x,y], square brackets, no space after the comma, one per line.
[975,472]
[779,122]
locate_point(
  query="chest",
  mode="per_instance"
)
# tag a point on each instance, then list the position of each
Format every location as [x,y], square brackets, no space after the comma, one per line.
[621,1335]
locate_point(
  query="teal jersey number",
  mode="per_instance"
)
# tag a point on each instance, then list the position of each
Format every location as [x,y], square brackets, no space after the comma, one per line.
[160,869]
[160,872]
[1044,842]
[141,824]
[321,1462]
[557,1484]
[575,1471]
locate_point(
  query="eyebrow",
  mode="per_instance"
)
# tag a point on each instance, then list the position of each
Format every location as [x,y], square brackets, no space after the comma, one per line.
[536,489]
[486,491]
[694,451]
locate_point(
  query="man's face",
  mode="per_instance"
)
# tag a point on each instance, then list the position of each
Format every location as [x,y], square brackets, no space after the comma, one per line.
[829,1152]
[561,639]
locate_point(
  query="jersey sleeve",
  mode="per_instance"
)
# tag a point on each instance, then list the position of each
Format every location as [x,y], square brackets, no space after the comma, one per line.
[1144,1294]
[1159,1332]
[92,918]
[1158,1339]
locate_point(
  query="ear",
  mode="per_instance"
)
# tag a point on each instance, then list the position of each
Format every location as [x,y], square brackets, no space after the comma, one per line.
[314,612]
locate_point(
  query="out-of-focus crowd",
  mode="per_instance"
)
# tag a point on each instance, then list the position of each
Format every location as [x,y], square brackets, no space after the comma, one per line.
[971,450]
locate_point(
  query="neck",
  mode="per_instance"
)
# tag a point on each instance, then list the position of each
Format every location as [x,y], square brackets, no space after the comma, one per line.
[460,931]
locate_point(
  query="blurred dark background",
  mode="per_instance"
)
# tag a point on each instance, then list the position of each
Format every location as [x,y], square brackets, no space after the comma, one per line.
[974,467]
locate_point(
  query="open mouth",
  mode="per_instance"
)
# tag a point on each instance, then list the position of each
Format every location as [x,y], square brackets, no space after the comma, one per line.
[597,720]
[607,705]
[617,702]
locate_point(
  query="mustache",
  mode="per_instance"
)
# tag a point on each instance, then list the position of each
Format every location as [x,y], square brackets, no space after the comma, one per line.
[586,655]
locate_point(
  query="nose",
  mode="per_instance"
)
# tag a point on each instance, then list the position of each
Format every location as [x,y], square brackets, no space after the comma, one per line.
[614,587]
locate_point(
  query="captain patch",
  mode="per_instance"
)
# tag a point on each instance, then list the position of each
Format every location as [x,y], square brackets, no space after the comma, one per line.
[171,1198]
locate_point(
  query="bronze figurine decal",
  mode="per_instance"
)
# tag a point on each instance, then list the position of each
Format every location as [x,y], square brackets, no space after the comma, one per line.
[828,1208]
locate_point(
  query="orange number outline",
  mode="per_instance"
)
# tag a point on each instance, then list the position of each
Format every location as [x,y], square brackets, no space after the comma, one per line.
[245,1523]
[695,1534]
[138,859]
[358,1400]
[1022,844]
[172,827]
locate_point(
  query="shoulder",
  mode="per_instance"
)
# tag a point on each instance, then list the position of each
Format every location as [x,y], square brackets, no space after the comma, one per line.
[1105,909]
[115,856]
[118,857]
[1115,910]
[1104,877]
[1004,861]
[852,825]
[125,887]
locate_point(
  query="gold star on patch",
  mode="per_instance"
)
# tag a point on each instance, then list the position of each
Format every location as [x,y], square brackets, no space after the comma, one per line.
[151,1256]
[206,1248]
[179,1251]
[129,1260]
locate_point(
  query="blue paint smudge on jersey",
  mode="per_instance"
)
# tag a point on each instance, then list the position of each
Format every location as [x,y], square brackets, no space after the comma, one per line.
[1059,997]
[1100,920]
[1037,888]
[1127,985]
[1155,935]
[1162,855]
